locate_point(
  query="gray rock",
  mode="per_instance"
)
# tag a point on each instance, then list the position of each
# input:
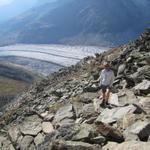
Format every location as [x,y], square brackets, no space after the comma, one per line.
[113,115]
[26,141]
[32,147]
[39,139]
[14,133]
[130,145]
[141,74]
[84,133]
[6,145]
[126,97]
[2,139]
[49,117]
[91,88]
[98,140]
[139,128]
[143,88]
[121,69]
[31,125]
[70,145]
[109,132]
[47,127]
[88,110]
[65,112]
[96,104]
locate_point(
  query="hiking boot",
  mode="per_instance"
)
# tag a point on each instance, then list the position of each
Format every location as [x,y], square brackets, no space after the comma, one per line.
[103,104]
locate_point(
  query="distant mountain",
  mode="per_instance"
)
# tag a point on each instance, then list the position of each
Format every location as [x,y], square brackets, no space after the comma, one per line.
[15,8]
[90,22]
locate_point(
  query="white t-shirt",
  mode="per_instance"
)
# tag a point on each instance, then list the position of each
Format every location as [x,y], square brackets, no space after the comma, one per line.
[107,77]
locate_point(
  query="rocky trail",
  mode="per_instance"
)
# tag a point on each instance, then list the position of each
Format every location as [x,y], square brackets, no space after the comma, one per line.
[62,112]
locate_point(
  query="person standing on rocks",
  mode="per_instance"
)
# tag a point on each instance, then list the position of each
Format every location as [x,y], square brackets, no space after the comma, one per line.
[106,80]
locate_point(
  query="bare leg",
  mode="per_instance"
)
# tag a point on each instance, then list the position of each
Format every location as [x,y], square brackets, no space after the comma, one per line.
[107,95]
[104,95]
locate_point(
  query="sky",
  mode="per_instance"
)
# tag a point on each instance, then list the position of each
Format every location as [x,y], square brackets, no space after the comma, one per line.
[5,2]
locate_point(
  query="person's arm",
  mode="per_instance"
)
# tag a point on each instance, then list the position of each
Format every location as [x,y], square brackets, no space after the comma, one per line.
[96,81]
[99,79]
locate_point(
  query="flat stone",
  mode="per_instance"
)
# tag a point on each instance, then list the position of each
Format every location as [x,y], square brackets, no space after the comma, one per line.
[113,99]
[63,113]
[139,128]
[129,145]
[145,103]
[26,141]
[6,145]
[126,96]
[31,125]
[39,139]
[84,133]
[32,147]
[14,133]
[96,104]
[70,145]
[88,111]
[113,115]
[143,87]
[49,117]
[2,138]
[127,120]
[47,127]
[98,140]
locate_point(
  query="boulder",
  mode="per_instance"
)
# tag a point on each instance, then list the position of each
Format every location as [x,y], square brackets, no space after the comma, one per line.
[26,141]
[14,133]
[31,125]
[6,144]
[66,112]
[141,74]
[145,103]
[84,133]
[126,121]
[32,147]
[113,115]
[88,111]
[113,99]
[129,145]
[47,117]
[96,104]
[39,139]
[70,145]
[2,139]
[47,127]
[88,97]
[126,97]
[143,87]
[109,132]
[139,128]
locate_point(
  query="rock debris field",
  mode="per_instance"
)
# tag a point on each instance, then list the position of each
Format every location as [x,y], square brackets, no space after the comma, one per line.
[63,112]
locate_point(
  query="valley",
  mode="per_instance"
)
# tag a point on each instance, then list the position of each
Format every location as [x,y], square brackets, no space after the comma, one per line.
[46,59]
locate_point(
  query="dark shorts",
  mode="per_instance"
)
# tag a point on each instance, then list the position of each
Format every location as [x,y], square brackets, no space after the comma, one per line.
[105,87]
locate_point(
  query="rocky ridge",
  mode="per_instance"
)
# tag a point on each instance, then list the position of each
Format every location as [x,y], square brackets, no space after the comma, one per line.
[62,112]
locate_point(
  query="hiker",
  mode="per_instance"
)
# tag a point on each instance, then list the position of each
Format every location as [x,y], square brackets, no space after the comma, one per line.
[106,80]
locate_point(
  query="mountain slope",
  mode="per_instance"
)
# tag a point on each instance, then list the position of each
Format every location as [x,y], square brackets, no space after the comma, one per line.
[63,111]
[15,8]
[99,22]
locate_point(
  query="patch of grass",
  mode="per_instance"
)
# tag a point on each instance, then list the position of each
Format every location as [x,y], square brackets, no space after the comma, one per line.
[11,87]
